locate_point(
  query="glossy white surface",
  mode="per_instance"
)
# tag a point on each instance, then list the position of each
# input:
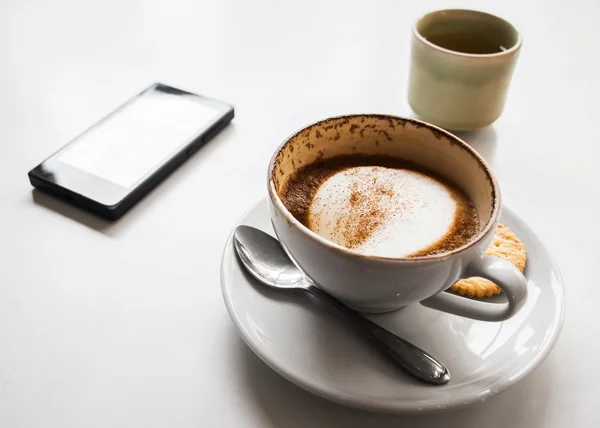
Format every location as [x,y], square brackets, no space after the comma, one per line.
[318,351]
[123,325]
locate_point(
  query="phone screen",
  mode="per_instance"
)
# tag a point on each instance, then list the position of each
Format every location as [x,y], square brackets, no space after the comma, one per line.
[139,136]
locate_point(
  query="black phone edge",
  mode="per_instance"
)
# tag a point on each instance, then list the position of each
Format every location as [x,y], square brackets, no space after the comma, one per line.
[114,212]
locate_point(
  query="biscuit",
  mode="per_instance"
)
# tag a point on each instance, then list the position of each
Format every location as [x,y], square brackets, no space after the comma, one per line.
[508,246]
[476,287]
[505,245]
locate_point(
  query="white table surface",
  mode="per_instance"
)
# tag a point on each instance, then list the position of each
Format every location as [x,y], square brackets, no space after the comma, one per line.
[123,324]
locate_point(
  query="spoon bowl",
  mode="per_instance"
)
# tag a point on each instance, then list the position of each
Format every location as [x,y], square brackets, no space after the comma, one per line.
[266,260]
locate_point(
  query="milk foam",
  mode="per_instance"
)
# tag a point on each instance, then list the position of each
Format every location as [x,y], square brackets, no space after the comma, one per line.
[382,211]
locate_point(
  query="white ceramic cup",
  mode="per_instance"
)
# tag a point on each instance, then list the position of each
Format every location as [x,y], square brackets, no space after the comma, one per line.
[457,80]
[380,284]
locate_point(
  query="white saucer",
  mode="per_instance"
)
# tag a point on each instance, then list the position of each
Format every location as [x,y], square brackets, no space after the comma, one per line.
[312,347]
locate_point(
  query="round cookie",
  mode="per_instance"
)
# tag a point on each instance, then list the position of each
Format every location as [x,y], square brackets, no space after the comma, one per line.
[508,246]
[505,245]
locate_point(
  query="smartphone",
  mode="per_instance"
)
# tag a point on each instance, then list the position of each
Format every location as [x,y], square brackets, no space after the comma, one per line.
[112,165]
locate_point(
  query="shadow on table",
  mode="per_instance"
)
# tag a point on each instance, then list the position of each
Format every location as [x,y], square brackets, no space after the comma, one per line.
[483,141]
[72,212]
[284,404]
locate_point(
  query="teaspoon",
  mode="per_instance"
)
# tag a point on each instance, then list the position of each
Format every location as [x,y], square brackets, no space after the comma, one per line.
[264,257]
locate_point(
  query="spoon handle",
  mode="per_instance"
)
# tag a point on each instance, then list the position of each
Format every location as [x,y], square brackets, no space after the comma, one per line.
[412,358]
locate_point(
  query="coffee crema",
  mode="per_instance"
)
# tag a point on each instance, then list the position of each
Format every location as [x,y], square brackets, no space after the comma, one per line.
[381,206]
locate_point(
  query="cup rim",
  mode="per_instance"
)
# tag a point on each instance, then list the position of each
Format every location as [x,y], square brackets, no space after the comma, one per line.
[292,221]
[509,51]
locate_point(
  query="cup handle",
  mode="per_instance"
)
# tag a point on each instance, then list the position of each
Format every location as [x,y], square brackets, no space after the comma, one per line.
[509,279]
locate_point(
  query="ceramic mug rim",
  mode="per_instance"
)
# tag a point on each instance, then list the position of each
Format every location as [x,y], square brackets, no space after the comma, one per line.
[510,51]
[291,220]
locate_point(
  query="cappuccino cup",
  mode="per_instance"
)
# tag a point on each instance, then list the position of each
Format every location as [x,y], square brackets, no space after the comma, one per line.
[382,211]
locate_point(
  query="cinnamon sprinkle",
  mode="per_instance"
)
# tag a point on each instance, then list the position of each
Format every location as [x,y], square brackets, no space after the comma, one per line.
[369,202]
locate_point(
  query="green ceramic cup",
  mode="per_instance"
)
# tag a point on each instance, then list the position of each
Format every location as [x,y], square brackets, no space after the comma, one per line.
[461,67]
